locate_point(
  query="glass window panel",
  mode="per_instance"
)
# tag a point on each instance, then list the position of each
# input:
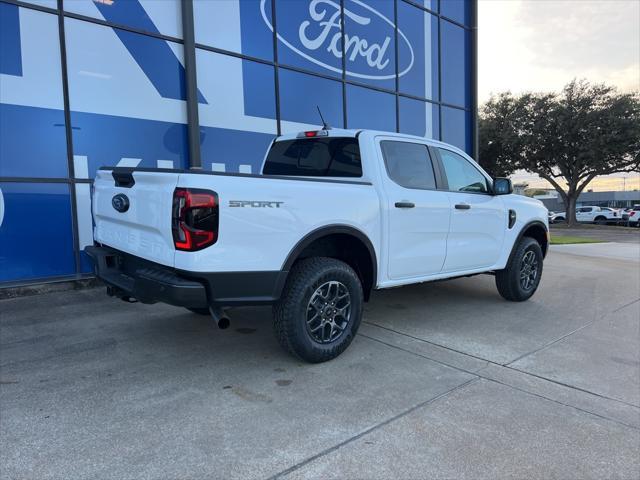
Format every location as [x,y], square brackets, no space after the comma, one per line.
[35,215]
[238,121]
[458,10]
[456,128]
[462,176]
[408,164]
[309,35]
[127,98]
[240,93]
[233,151]
[152,16]
[456,65]
[419,118]
[430,4]
[301,94]
[242,26]
[31,102]
[421,30]
[43,3]
[370,42]
[370,109]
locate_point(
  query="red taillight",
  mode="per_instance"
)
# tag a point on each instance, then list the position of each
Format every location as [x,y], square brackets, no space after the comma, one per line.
[310,134]
[194,220]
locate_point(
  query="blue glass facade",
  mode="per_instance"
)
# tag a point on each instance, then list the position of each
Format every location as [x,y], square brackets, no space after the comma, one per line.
[103,83]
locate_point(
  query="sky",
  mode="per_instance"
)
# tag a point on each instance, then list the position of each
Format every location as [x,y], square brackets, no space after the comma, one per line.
[541,45]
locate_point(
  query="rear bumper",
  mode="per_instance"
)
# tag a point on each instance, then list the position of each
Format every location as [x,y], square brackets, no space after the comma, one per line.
[145,281]
[150,282]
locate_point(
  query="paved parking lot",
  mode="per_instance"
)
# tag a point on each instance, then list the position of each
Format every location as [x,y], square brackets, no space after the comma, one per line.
[444,380]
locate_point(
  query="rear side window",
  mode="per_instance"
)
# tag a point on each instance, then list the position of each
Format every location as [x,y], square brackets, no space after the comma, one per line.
[408,164]
[315,157]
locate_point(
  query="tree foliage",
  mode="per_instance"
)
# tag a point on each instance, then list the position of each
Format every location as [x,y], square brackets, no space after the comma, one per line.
[571,137]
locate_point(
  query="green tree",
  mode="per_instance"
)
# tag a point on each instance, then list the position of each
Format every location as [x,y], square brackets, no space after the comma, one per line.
[571,137]
[499,142]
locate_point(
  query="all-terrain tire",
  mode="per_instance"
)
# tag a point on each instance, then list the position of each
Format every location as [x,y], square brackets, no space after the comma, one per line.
[509,282]
[291,313]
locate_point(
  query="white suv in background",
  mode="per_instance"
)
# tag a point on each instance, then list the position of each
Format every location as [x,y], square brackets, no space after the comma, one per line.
[634,216]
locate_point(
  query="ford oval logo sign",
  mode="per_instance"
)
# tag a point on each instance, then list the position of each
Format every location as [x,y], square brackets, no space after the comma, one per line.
[368,55]
[120,202]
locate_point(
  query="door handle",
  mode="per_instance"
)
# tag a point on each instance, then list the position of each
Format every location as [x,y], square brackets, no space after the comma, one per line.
[463,206]
[405,205]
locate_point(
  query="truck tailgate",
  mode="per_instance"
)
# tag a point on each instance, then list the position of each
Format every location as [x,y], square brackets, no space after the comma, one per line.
[133,213]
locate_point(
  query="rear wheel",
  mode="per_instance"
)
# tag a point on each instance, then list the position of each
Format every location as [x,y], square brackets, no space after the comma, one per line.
[320,309]
[520,279]
[601,220]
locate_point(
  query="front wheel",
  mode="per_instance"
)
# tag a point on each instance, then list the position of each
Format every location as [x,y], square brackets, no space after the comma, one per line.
[320,309]
[601,221]
[520,279]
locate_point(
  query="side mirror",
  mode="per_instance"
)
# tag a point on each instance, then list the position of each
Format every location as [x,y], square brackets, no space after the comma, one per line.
[502,186]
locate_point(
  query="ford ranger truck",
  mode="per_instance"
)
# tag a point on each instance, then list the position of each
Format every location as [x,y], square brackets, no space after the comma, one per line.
[334,215]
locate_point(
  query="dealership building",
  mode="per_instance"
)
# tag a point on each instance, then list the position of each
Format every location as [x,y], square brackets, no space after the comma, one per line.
[203,84]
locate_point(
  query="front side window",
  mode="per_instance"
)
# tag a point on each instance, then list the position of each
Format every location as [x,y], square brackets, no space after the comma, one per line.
[462,176]
[408,164]
[317,157]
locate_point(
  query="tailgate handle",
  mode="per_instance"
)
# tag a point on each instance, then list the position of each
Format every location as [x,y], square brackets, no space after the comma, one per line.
[123,179]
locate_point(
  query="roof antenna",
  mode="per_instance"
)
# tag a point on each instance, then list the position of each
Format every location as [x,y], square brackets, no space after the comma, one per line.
[325,125]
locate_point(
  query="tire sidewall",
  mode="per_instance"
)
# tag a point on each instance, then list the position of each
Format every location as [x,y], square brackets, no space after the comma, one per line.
[527,245]
[304,341]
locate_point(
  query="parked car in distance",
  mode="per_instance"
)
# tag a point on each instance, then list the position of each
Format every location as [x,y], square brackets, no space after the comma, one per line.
[634,216]
[334,215]
[557,217]
[598,215]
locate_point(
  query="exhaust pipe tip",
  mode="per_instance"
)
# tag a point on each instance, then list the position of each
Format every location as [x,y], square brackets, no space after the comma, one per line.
[220,317]
[223,323]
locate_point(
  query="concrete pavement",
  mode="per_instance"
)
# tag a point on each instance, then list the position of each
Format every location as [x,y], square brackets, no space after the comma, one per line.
[445,380]
[622,251]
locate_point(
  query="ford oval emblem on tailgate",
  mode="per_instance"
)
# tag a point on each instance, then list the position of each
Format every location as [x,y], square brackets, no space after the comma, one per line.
[120,202]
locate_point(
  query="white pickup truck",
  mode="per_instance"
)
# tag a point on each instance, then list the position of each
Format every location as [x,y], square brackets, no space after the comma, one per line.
[590,214]
[334,215]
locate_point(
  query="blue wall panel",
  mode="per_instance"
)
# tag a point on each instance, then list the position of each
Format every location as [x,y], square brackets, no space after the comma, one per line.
[457,128]
[300,94]
[456,66]
[33,143]
[35,234]
[10,50]
[370,109]
[106,139]
[457,10]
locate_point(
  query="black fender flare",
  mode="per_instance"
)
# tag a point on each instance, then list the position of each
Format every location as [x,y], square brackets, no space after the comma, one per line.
[521,234]
[327,230]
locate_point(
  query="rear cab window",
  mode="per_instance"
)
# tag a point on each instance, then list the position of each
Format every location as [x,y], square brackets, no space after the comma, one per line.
[315,157]
[408,164]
